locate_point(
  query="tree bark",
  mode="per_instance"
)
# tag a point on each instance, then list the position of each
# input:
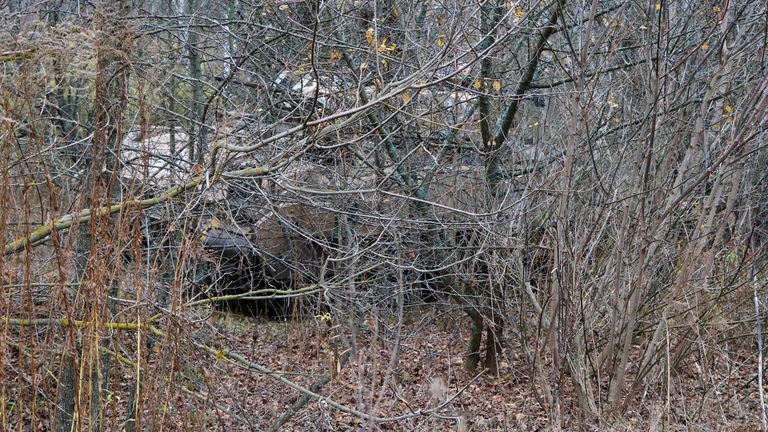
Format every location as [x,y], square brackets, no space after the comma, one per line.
[472,358]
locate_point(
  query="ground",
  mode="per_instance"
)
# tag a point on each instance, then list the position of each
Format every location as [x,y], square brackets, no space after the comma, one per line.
[429,379]
[428,387]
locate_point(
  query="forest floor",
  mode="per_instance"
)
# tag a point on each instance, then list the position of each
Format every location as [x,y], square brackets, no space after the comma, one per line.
[426,387]
[429,387]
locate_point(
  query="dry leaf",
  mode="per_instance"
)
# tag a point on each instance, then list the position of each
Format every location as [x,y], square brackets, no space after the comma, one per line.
[406,97]
[496,85]
[477,84]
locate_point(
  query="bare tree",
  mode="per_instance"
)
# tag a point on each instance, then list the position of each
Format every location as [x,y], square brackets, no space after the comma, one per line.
[582,181]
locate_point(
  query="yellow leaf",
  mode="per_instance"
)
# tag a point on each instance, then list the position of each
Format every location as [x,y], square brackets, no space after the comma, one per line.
[716,126]
[369,37]
[283,7]
[496,85]
[440,40]
[658,6]
[716,9]
[406,97]
[728,109]
[386,48]
[395,13]
[519,11]
[477,84]
[219,355]
[704,46]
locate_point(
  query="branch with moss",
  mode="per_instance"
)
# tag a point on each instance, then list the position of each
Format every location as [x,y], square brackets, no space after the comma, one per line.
[17,55]
[508,115]
[66,222]
[264,294]
[65,322]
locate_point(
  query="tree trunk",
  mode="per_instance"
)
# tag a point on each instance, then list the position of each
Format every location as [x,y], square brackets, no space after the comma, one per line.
[65,399]
[475,338]
[492,346]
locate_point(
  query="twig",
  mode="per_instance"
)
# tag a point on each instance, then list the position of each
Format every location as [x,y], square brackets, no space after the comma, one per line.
[238,359]
[319,384]
[759,326]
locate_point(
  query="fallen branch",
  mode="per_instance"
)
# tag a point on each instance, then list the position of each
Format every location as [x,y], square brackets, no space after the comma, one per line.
[17,55]
[304,399]
[185,388]
[235,358]
[238,359]
[65,322]
[84,215]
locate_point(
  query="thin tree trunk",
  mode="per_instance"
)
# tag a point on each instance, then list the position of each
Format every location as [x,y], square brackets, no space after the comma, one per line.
[65,399]
[475,338]
[492,345]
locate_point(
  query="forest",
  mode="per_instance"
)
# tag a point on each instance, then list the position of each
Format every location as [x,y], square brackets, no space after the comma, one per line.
[352,215]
